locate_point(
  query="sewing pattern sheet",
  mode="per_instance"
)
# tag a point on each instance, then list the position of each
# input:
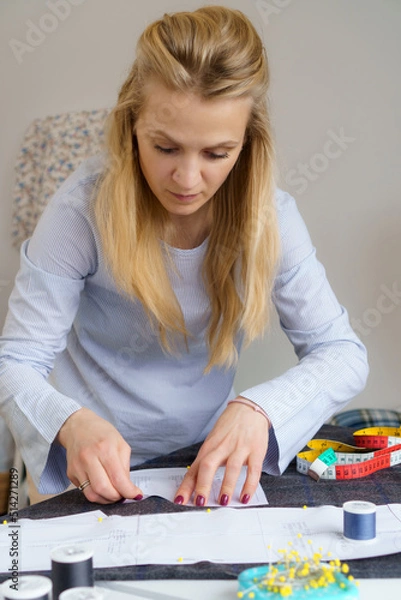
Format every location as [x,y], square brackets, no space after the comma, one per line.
[165,482]
[222,535]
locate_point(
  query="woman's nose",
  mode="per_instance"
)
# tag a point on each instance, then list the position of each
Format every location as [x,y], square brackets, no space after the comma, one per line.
[187,174]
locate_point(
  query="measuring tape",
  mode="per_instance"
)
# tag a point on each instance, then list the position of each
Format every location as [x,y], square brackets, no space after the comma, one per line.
[376,448]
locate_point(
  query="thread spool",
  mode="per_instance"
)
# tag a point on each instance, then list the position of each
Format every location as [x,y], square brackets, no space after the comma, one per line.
[82,593]
[28,587]
[359,520]
[72,566]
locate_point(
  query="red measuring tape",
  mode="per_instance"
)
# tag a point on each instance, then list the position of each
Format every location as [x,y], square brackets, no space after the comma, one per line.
[376,448]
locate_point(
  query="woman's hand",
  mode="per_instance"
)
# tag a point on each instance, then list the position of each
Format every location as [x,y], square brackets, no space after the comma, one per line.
[239,437]
[97,452]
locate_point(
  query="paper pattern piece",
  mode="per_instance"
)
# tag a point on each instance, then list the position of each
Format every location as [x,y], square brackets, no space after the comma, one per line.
[165,483]
[221,535]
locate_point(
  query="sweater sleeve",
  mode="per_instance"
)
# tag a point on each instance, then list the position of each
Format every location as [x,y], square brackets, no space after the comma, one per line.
[42,308]
[332,364]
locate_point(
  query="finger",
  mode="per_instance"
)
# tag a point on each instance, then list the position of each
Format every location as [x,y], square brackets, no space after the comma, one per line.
[206,472]
[105,497]
[187,487]
[118,471]
[232,472]
[100,489]
[96,498]
[84,479]
[254,471]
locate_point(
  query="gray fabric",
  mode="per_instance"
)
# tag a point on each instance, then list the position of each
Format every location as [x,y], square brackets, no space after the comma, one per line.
[290,489]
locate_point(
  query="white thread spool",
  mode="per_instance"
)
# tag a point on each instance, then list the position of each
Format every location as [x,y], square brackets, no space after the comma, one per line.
[359,520]
[82,593]
[28,587]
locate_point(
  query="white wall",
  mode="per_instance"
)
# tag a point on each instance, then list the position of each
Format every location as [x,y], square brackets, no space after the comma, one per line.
[335,71]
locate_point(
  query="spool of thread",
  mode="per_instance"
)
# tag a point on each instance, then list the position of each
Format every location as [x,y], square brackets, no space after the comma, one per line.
[72,566]
[82,593]
[359,520]
[28,587]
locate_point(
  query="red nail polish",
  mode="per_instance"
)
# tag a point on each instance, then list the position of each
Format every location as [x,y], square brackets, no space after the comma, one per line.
[224,500]
[138,497]
[200,501]
[178,500]
[245,498]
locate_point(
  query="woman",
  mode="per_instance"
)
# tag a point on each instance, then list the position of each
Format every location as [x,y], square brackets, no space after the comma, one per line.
[149,270]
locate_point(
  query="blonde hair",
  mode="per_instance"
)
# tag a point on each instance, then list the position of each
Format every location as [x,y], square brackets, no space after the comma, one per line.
[214,52]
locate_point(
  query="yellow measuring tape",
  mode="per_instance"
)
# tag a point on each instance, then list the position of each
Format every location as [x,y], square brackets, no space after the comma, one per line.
[375,448]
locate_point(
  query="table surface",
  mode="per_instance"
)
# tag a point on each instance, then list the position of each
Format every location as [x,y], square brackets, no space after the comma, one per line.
[289,489]
[369,589]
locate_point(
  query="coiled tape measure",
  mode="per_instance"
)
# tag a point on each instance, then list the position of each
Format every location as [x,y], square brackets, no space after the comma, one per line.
[376,448]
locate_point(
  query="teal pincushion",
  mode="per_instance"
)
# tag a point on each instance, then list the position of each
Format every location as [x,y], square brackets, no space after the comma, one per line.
[306,580]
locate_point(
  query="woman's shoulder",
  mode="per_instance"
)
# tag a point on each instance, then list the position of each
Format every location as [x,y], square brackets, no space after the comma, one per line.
[288,215]
[284,201]
[81,182]
[65,240]
[74,198]
[294,236]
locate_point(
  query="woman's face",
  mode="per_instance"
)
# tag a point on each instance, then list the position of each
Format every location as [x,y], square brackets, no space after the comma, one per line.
[188,146]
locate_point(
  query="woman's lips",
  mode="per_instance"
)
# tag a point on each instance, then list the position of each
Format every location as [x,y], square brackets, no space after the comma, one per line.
[184,197]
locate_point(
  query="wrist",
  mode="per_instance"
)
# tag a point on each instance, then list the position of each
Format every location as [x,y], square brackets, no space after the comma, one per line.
[64,430]
[251,405]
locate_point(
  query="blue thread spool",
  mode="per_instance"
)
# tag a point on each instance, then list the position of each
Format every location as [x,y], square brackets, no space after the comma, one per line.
[28,587]
[72,566]
[359,520]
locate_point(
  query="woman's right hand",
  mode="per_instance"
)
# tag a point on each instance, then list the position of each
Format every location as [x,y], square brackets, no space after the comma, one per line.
[97,452]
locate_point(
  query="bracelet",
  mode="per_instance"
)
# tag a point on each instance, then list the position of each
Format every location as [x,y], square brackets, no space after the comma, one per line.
[252,405]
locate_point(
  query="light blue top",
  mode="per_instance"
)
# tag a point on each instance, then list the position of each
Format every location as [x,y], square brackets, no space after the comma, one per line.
[67,320]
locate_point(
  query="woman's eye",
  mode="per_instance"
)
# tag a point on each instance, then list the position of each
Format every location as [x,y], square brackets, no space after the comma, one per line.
[210,155]
[215,156]
[164,150]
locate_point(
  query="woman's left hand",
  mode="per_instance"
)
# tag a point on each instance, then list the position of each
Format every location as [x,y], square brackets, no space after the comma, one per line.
[240,437]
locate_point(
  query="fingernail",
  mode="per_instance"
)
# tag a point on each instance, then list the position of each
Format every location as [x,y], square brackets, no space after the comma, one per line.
[178,500]
[245,498]
[200,501]
[224,500]
[138,497]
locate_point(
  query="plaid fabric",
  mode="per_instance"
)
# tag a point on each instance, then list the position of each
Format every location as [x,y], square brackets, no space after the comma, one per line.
[367,417]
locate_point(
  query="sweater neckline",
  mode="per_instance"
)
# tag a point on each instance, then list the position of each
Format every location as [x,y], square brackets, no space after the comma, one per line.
[187,251]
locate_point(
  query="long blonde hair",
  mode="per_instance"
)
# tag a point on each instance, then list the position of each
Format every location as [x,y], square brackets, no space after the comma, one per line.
[214,52]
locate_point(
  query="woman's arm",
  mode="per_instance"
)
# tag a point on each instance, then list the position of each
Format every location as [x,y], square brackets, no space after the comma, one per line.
[42,307]
[332,365]
[332,368]
[54,266]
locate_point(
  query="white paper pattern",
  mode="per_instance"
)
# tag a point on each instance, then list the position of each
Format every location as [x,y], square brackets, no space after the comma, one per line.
[220,535]
[165,483]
